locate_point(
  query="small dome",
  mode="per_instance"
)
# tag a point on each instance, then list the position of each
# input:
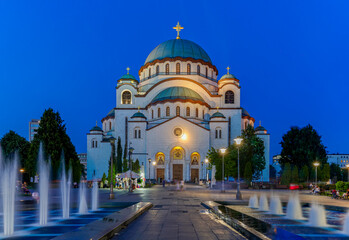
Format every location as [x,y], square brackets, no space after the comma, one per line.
[128,77]
[228,76]
[260,128]
[178,48]
[217,115]
[245,113]
[96,128]
[175,93]
[138,115]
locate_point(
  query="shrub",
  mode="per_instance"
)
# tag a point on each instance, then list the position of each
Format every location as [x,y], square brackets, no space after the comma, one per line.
[341,186]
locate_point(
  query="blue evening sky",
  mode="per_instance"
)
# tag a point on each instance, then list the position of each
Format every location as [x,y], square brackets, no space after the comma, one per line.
[292,59]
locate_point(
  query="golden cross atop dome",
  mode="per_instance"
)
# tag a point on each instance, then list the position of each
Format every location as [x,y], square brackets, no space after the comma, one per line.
[217,109]
[228,69]
[139,108]
[96,123]
[128,70]
[178,28]
[260,123]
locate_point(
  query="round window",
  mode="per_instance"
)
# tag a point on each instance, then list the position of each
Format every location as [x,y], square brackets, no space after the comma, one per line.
[178,132]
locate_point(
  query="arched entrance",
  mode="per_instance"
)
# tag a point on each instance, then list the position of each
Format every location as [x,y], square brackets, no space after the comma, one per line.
[177,162]
[194,167]
[160,166]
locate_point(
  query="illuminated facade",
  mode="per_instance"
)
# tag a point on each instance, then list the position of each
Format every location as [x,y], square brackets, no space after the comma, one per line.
[174,113]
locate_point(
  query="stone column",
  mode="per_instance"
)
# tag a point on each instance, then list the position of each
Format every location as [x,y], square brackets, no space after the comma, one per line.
[188,172]
[167,176]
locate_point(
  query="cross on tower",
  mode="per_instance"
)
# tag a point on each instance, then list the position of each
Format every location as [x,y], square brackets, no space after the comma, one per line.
[228,69]
[178,28]
[128,70]
[217,109]
[260,123]
[139,108]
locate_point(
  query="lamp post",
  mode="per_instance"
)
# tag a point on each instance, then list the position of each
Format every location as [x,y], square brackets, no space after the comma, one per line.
[223,150]
[130,150]
[112,142]
[348,171]
[149,160]
[238,193]
[22,171]
[206,162]
[316,164]
[154,163]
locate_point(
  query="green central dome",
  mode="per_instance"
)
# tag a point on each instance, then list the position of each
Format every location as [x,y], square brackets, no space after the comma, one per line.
[178,48]
[174,93]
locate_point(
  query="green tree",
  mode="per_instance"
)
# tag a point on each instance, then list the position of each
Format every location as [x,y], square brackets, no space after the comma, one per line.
[104,177]
[215,159]
[286,174]
[136,167]
[335,172]
[52,133]
[248,173]
[125,165]
[12,142]
[325,173]
[119,156]
[304,174]
[295,178]
[302,146]
[109,172]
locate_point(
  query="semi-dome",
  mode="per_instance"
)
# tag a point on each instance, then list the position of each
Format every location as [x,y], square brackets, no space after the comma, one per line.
[260,128]
[178,48]
[227,76]
[217,115]
[245,113]
[177,93]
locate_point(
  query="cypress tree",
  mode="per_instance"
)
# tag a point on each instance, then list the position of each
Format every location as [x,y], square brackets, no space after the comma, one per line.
[119,157]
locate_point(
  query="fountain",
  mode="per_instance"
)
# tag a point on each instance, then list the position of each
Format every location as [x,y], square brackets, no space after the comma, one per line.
[83,204]
[263,203]
[275,205]
[253,202]
[65,189]
[8,180]
[294,210]
[317,216]
[44,178]
[95,196]
[346,224]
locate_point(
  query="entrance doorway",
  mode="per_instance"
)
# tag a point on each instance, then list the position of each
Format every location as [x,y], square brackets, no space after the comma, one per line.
[178,172]
[194,175]
[160,174]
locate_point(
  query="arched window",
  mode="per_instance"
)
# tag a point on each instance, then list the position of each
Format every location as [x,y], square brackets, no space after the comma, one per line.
[137,132]
[188,69]
[178,68]
[159,112]
[126,97]
[197,112]
[149,72]
[95,144]
[198,70]
[105,127]
[206,72]
[152,114]
[92,143]
[218,133]
[167,69]
[167,111]
[109,125]
[203,114]
[157,70]
[178,111]
[246,125]
[229,97]
[188,111]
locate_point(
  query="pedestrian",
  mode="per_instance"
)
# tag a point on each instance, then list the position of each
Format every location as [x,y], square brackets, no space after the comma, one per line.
[163,183]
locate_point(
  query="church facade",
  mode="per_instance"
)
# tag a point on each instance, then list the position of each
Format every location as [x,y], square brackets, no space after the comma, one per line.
[177,110]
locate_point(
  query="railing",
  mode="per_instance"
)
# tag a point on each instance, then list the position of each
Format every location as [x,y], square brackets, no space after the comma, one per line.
[180,73]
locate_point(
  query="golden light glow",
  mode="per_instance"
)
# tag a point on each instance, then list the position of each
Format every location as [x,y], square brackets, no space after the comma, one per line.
[154,163]
[316,164]
[347,165]
[223,150]
[184,136]
[238,140]
[21,170]
[206,160]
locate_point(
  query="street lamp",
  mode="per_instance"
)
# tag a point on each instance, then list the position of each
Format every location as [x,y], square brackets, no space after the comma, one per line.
[130,151]
[348,171]
[206,162]
[22,171]
[223,150]
[149,160]
[112,143]
[238,193]
[316,164]
[154,163]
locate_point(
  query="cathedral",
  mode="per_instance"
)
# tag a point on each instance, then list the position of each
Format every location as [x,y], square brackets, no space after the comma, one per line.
[172,114]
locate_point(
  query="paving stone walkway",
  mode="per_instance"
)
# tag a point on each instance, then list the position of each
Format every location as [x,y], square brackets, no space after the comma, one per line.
[175,215]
